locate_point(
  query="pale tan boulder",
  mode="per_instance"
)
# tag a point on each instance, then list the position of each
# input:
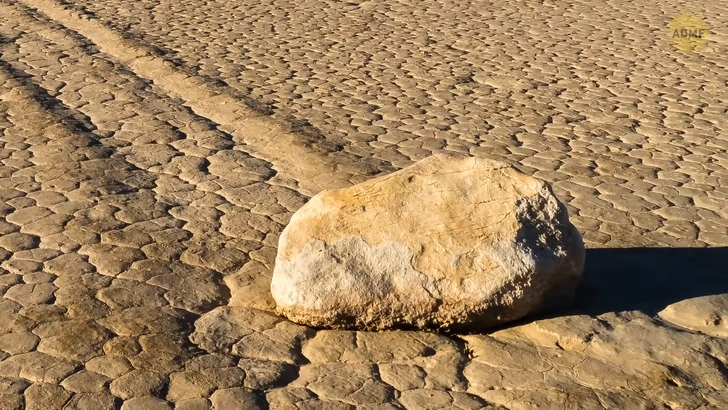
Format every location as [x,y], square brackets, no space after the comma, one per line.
[451,242]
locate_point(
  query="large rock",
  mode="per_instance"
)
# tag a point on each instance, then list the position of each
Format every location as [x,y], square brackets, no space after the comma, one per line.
[451,242]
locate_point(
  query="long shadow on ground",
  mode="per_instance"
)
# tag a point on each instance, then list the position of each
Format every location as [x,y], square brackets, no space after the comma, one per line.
[649,279]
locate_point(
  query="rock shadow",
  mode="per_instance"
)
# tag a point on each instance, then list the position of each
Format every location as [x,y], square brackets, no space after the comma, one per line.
[649,279]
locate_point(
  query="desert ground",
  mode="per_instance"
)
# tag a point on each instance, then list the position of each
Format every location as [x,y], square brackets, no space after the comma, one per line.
[152,152]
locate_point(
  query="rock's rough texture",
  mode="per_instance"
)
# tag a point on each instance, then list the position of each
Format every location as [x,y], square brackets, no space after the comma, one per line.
[451,242]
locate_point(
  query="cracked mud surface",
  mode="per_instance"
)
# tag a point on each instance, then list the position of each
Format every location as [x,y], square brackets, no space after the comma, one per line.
[144,187]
